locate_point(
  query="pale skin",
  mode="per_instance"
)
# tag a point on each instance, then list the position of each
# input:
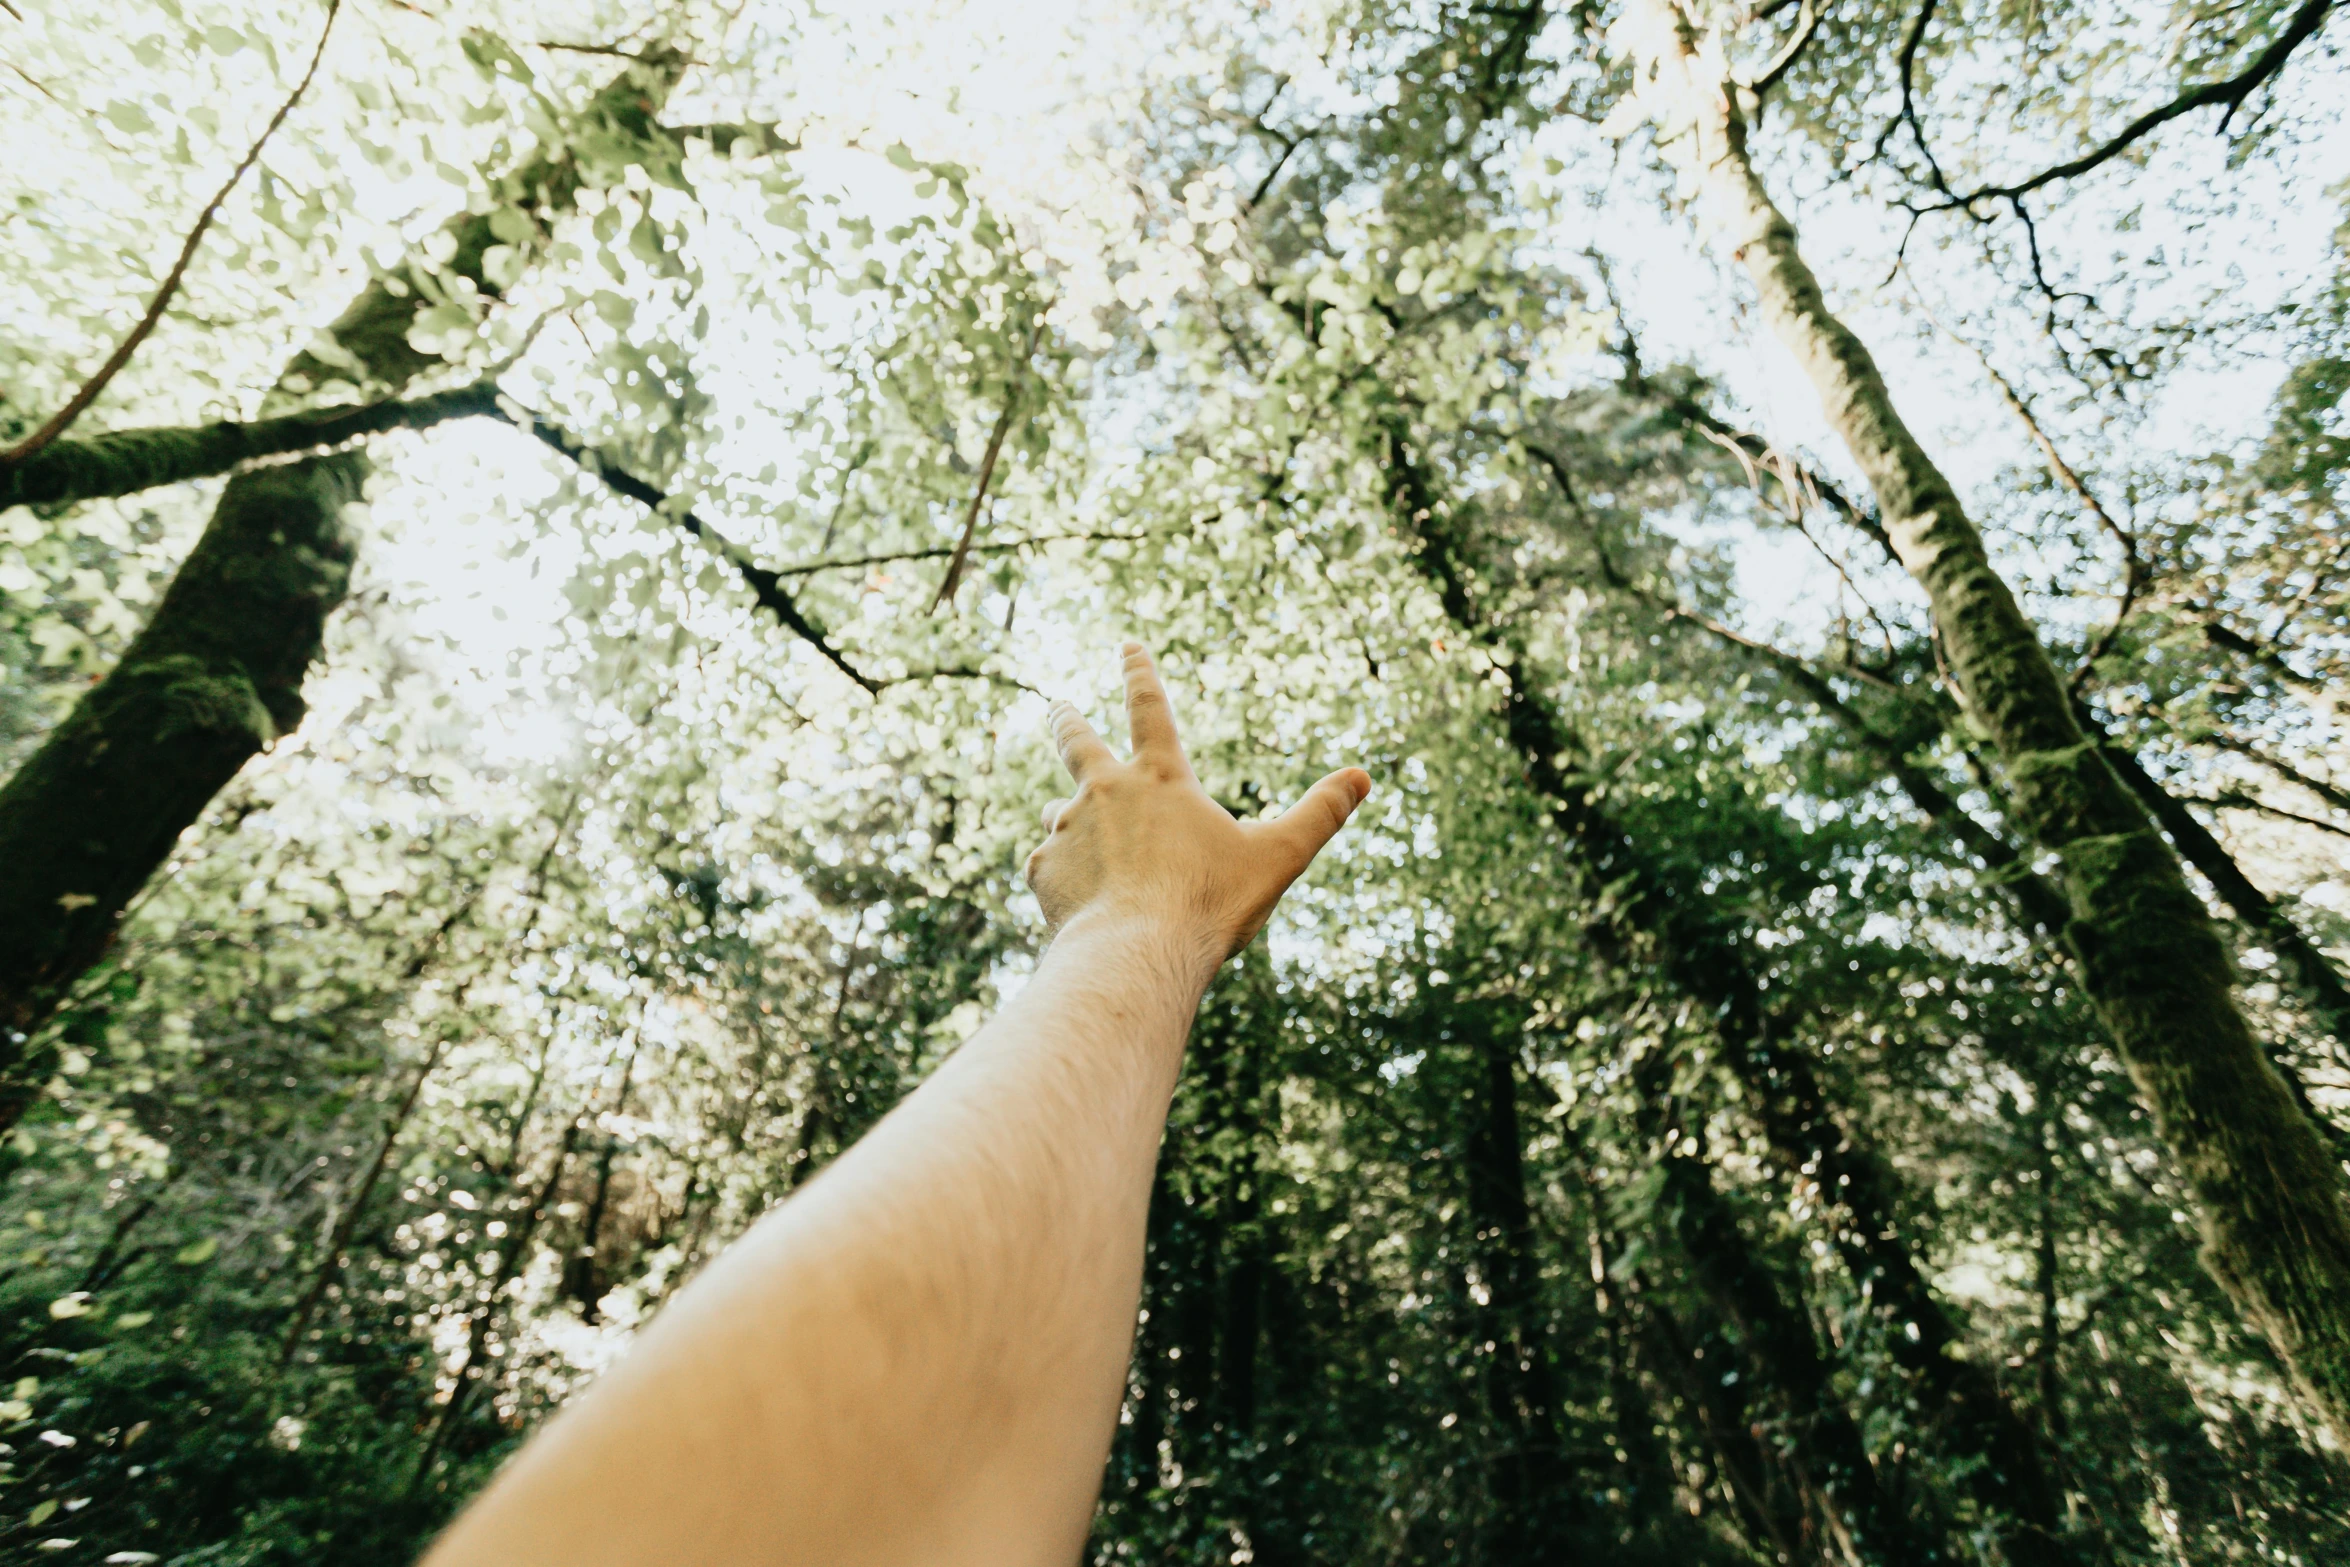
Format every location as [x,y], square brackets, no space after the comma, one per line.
[919,1358]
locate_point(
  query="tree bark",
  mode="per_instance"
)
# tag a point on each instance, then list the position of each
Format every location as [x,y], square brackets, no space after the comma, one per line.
[124,462]
[217,673]
[2269,1201]
[215,677]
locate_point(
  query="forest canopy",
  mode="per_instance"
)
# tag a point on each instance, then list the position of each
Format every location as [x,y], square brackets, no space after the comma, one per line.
[536,542]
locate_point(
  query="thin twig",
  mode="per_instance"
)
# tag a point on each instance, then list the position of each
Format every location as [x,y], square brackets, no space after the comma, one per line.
[42,87]
[2133,560]
[171,282]
[1004,547]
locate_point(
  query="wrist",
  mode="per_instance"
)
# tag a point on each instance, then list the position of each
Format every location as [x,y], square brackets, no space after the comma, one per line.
[1184,953]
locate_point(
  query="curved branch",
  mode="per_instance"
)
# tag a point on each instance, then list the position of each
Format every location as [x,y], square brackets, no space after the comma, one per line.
[82,399]
[1807,22]
[2231,92]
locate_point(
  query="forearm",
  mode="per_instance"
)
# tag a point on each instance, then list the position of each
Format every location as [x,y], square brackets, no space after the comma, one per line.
[919,1358]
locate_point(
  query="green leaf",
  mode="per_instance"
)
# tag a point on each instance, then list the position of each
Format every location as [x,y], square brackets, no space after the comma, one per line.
[199,1253]
[644,241]
[513,226]
[900,154]
[127,116]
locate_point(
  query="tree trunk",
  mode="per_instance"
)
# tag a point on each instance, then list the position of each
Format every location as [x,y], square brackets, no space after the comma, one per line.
[1657,922]
[1535,1495]
[215,676]
[217,673]
[2270,1203]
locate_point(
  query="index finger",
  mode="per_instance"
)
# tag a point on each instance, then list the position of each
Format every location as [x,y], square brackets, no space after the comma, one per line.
[1150,722]
[1082,751]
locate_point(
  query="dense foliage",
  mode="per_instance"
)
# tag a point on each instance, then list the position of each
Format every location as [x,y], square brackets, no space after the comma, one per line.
[1690,1117]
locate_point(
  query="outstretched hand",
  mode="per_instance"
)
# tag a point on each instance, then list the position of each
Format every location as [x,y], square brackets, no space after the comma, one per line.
[1141,839]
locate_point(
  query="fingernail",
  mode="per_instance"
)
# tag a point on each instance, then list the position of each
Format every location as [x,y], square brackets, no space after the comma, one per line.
[1129,649]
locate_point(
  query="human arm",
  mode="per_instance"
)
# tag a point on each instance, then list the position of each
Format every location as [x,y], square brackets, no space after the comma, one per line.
[919,1357]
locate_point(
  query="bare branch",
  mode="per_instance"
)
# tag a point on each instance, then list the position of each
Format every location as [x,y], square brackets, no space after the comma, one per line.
[171,283]
[1908,63]
[2230,92]
[2332,793]
[2133,560]
[1807,22]
[1005,547]
[766,586]
[2237,800]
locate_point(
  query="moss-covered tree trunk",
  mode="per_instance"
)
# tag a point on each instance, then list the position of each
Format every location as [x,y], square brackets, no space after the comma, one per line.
[217,673]
[2275,1225]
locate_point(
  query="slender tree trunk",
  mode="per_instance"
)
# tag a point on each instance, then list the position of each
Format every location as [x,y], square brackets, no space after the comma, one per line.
[1746,1465]
[1536,1495]
[339,1242]
[582,1279]
[216,676]
[1655,921]
[2270,1202]
[471,1373]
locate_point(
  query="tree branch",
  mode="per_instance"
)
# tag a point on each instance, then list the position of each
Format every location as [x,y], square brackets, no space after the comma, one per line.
[2232,92]
[2133,561]
[82,399]
[763,139]
[766,586]
[124,462]
[1908,60]
[1807,22]
[2238,800]
[2333,794]
[1007,546]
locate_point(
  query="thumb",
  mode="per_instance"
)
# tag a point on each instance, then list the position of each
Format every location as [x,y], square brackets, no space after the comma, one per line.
[1315,820]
